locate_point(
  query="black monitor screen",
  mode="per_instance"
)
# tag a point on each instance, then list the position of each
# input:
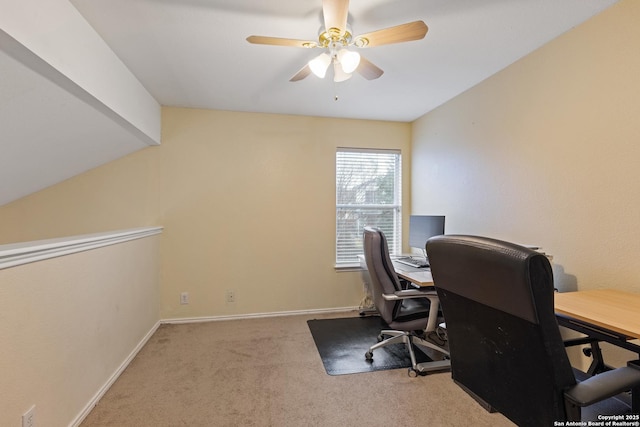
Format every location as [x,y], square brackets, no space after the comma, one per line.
[422,228]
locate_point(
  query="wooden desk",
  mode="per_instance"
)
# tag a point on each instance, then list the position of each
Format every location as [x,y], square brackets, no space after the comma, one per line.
[611,309]
[607,315]
[418,276]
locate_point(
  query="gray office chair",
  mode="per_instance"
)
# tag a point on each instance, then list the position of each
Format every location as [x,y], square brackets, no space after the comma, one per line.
[408,312]
[505,344]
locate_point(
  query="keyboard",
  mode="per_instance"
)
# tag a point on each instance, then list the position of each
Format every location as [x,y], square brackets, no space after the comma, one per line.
[413,262]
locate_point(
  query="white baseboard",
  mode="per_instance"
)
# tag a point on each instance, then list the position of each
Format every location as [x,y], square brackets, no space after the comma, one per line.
[257,315]
[96,398]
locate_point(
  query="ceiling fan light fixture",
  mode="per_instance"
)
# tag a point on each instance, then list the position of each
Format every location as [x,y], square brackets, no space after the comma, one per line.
[319,65]
[348,60]
[338,73]
[335,37]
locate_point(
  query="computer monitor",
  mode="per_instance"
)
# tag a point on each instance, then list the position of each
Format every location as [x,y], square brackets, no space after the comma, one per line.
[422,228]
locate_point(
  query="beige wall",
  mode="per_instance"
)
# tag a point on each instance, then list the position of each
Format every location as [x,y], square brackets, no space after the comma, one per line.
[225,186]
[547,152]
[261,187]
[67,324]
[116,196]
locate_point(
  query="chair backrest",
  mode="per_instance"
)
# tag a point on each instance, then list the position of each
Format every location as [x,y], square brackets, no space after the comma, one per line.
[505,344]
[381,272]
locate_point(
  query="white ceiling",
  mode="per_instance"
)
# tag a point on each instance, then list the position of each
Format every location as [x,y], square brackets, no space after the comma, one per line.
[193,53]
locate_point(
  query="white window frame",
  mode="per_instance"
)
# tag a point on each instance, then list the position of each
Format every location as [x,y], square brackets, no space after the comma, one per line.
[349,236]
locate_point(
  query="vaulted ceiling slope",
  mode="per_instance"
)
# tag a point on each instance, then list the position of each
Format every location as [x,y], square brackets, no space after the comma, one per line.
[67,102]
[83,80]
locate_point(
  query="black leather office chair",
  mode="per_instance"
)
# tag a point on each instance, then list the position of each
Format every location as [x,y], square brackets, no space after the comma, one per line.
[505,344]
[408,312]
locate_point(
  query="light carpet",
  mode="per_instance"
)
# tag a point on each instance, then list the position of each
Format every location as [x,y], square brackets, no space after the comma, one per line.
[267,372]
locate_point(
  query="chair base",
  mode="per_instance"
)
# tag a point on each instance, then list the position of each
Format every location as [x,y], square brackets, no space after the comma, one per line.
[410,340]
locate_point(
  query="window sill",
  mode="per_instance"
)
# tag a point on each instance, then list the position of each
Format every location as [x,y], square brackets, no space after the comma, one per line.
[348,267]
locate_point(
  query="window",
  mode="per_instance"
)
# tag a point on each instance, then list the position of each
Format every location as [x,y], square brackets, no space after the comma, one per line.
[368,192]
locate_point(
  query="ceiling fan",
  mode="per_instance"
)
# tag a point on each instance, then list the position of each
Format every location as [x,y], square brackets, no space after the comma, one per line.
[334,39]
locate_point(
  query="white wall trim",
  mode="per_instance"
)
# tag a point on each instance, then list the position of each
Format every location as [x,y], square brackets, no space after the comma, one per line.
[15,254]
[257,315]
[101,392]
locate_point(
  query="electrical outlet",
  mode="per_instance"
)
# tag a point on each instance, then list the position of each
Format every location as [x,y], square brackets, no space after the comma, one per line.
[231,296]
[184,298]
[29,417]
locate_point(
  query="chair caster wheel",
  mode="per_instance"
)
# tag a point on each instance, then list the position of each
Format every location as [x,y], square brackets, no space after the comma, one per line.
[368,356]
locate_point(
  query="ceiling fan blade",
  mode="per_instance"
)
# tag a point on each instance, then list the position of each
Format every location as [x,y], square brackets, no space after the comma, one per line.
[303,73]
[335,14]
[277,41]
[368,70]
[415,30]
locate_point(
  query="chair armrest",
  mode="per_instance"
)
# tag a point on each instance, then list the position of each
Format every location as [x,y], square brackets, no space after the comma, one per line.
[603,386]
[410,293]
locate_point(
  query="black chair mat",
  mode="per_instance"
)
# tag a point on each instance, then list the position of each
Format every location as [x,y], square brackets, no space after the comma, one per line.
[342,344]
